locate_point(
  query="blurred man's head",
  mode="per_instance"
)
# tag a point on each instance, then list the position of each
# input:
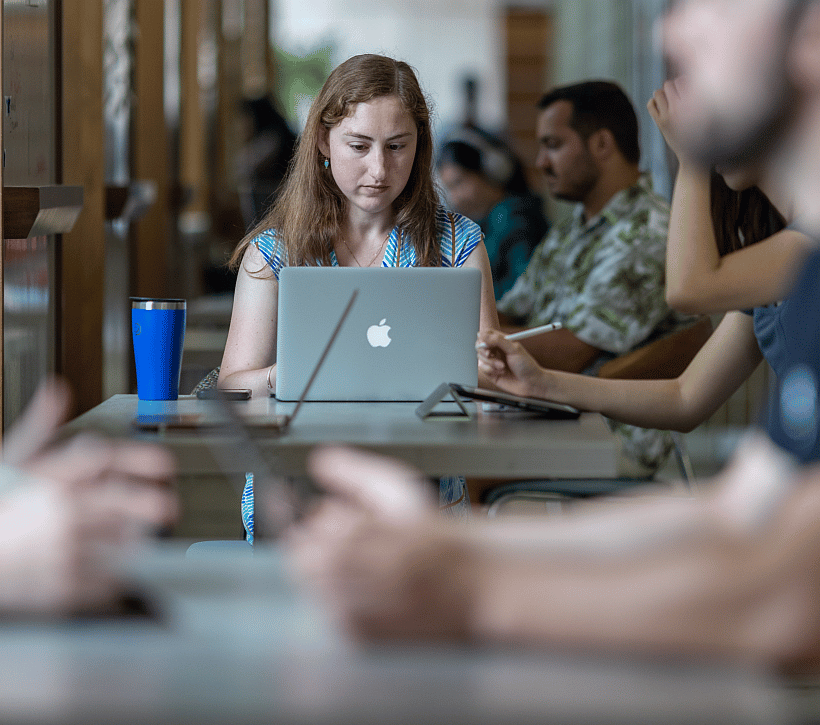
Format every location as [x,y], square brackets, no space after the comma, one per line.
[585,130]
[732,57]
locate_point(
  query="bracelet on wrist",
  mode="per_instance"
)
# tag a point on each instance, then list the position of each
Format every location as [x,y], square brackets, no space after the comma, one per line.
[270,385]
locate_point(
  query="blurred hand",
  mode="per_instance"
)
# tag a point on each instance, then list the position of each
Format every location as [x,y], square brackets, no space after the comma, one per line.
[663,107]
[68,510]
[377,554]
[383,487]
[509,366]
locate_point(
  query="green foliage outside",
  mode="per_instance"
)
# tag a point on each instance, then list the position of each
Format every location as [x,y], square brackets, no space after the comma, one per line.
[300,77]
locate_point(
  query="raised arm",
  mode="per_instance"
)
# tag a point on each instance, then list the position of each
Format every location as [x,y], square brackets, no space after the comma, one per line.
[698,279]
[250,350]
[729,356]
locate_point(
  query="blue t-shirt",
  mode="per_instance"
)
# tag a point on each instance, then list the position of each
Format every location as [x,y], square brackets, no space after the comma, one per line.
[789,338]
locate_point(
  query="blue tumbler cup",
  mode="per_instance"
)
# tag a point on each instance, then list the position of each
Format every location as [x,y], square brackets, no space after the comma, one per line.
[158,327]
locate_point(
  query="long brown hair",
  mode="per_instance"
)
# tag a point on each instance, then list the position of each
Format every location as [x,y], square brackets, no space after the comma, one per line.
[741,218]
[308,212]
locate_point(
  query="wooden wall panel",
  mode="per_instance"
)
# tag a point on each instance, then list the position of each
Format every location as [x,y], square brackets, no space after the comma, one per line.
[83,249]
[151,234]
[193,123]
[528,34]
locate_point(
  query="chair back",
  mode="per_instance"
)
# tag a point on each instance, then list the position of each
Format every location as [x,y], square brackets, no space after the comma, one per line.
[663,359]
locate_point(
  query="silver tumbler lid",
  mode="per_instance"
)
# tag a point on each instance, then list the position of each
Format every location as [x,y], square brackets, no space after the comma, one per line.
[156,303]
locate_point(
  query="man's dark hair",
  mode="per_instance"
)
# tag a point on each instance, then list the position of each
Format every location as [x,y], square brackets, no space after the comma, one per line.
[597,105]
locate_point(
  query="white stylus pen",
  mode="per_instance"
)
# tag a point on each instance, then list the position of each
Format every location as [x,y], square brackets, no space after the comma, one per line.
[533,331]
[524,334]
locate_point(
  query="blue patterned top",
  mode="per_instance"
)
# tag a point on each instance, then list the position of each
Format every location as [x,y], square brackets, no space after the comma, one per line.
[458,237]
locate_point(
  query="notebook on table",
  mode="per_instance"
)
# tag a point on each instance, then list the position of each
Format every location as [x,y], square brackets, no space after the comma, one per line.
[411,330]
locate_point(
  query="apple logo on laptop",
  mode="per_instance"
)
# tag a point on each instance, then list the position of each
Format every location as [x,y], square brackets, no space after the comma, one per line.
[377,334]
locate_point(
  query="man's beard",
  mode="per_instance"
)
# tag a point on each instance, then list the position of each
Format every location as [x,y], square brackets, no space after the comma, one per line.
[576,189]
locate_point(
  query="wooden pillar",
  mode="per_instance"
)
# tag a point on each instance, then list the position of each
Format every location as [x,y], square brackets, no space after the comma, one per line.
[193,131]
[255,49]
[152,233]
[229,94]
[83,249]
[529,42]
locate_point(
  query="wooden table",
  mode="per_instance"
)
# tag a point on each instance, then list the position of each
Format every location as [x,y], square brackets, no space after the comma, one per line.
[212,464]
[488,445]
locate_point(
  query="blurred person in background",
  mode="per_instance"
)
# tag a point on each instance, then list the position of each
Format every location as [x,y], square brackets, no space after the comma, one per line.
[485,181]
[263,159]
[752,100]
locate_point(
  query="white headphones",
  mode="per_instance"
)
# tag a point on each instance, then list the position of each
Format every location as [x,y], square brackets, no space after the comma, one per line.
[496,162]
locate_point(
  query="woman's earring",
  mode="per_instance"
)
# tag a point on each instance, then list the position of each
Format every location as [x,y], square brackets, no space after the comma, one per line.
[327,163]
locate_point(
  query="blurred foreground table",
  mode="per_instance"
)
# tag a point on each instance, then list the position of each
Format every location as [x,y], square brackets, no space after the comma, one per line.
[235,642]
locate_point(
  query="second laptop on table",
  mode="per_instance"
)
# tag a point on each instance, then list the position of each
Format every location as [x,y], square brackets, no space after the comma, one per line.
[410,330]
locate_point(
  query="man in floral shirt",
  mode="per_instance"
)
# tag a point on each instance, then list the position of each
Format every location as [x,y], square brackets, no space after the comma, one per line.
[601,272]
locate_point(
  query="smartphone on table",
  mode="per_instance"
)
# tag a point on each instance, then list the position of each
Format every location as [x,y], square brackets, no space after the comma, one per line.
[224,394]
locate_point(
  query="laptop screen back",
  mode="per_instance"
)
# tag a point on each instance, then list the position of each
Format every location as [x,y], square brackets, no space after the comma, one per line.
[410,330]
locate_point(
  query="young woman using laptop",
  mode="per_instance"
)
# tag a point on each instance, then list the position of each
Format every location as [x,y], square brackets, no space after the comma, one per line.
[359,193]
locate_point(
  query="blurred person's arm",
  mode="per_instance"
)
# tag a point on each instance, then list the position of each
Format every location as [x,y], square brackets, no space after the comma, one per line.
[739,582]
[67,511]
[729,582]
[250,350]
[716,593]
[698,279]
[727,359]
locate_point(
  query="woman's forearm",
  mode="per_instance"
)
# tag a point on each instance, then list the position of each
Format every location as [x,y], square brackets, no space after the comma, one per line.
[760,274]
[256,381]
[701,281]
[645,403]
[729,356]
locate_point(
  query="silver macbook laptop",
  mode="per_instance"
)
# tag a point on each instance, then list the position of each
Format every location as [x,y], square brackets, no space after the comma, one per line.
[410,330]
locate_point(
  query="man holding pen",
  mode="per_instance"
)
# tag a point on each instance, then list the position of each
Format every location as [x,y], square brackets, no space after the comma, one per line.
[599,274]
